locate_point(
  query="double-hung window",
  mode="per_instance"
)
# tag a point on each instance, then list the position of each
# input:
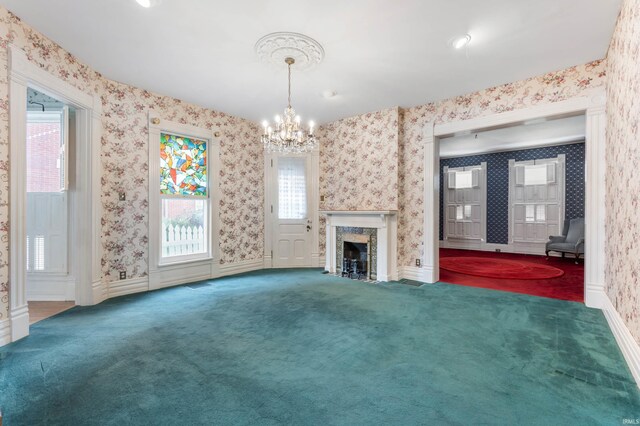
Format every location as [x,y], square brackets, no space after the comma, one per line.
[184,197]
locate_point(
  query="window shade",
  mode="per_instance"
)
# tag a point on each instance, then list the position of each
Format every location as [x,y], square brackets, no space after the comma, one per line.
[292,188]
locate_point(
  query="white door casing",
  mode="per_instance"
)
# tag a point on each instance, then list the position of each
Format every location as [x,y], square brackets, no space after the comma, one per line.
[592,105]
[292,224]
[291,242]
[85,228]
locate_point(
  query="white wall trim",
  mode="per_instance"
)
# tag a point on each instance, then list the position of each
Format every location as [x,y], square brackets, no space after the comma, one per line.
[592,105]
[240,267]
[86,243]
[415,273]
[271,201]
[386,224]
[130,286]
[519,248]
[628,345]
[163,275]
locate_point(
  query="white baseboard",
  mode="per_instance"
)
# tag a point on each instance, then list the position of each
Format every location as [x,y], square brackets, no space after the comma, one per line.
[416,273]
[19,318]
[181,273]
[5,332]
[595,297]
[240,267]
[130,286]
[520,248]
[626,342]
[100,291]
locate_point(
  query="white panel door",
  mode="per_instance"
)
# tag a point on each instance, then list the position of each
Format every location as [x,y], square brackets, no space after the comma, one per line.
[292,212]
[536,191]
[465,203]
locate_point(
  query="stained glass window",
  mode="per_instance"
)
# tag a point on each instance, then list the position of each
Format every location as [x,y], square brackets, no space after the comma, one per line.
[183,165]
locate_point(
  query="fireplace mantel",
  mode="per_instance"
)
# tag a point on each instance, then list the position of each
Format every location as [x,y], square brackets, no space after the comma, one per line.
[386,223]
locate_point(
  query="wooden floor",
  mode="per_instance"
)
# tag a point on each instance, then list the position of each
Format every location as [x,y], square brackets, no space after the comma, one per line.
[41,310]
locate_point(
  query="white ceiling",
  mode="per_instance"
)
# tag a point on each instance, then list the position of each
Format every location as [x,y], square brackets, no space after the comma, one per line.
[379,53]
[534,134]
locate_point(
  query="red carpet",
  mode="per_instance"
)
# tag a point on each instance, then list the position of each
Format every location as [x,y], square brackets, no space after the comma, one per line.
[569,286]
[500,268]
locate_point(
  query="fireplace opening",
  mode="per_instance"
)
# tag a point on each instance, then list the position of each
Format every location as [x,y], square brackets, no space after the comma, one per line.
[355,262]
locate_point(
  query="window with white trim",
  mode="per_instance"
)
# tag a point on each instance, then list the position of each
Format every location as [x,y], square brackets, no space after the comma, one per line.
[184,197]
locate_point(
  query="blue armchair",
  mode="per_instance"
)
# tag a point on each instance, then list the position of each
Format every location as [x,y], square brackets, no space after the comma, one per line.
[571,240]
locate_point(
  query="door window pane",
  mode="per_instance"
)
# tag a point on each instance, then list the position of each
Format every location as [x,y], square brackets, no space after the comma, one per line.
[464,180]
[530,213]
[467,211]
[292,188]
[535,174]
[459,215]
[44,151]
[184,227]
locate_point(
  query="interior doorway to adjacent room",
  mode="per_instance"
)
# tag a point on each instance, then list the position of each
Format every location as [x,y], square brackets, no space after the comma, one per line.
[504,191]
[50,204]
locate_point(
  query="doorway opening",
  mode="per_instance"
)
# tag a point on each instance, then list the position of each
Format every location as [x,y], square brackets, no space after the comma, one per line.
[507,193]
[592,106]
[50,205]
[84,251]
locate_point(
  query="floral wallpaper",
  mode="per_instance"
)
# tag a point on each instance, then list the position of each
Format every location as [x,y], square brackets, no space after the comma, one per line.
[622,267]
[551,87]
[548,88]
[373,161]
[125,235]
[125,157]
[359,162]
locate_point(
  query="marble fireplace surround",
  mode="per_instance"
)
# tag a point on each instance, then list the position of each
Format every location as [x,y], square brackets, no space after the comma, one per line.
[386,224]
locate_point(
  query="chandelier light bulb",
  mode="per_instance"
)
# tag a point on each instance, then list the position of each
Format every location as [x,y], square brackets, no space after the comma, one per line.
[277,118]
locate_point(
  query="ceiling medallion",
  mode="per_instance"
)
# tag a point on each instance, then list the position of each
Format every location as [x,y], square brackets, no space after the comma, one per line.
[275,48]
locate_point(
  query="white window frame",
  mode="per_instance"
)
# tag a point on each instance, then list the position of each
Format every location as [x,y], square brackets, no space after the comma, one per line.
[158,126]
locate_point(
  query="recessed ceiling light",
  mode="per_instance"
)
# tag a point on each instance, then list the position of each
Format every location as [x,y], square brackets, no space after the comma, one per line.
[144,3]
[460,42]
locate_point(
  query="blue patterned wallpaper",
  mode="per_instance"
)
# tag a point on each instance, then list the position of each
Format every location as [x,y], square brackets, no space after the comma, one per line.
[498,183]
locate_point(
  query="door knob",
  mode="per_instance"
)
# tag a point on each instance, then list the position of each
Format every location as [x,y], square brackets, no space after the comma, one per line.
[308,228]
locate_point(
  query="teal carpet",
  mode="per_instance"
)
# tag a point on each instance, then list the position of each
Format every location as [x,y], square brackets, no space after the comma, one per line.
[299,347]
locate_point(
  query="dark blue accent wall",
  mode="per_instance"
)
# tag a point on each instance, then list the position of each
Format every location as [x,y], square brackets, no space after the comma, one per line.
[498,183]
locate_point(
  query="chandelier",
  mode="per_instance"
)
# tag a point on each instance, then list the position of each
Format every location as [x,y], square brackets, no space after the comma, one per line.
[288,136]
